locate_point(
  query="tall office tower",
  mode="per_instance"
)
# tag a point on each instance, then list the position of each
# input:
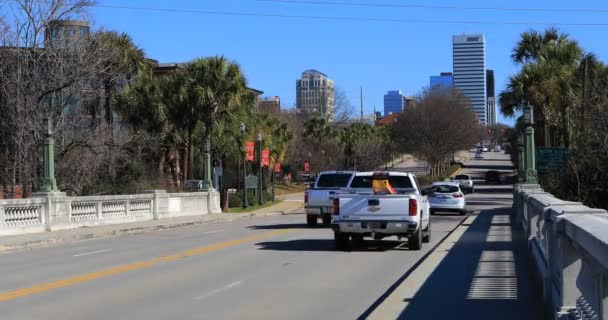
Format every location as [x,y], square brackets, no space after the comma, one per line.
[491,98]
[315,93]
[470,71]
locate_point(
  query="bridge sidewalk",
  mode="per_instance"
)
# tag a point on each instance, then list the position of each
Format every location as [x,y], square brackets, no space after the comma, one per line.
[480,271]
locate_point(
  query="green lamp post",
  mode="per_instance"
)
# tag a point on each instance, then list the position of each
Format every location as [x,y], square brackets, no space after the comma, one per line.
[246,203]
[521,169]
[49,184]
[207,185]
[260,180]
[530,150]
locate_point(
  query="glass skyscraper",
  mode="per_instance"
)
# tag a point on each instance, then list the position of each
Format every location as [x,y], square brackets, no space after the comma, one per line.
[444,80]
[394,102]
[469,54]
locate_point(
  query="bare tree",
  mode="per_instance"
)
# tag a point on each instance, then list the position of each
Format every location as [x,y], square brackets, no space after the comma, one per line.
[343,108]
[442,123]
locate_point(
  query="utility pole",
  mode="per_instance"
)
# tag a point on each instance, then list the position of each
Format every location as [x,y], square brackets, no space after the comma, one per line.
[361,103]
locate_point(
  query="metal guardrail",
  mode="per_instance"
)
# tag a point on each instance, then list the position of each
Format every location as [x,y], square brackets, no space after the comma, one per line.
[569,246]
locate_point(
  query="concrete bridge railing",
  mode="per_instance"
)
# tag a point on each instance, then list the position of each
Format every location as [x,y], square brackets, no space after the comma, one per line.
[56,211]
[568,243]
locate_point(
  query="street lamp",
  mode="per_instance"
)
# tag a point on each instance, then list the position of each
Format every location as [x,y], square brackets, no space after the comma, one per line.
[207,185]
[246,203]
[530,149]
[261,191]
[49,184]
[520,151]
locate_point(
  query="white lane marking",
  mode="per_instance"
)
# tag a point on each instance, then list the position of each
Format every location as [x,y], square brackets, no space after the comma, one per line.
[212,231]
[218,290]
[92,252]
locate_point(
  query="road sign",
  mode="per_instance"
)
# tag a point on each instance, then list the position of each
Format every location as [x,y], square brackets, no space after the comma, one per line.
[306,166]
[551,159]
[251,182]
[250,148]
[266,158]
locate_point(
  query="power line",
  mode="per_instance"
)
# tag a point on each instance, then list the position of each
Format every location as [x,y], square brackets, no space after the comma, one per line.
[431,6]
[345,18]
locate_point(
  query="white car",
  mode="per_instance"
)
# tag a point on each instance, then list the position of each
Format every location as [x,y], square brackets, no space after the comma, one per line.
[485,149]
[447,197]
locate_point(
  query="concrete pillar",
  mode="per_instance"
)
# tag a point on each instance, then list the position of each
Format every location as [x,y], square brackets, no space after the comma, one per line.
[57,210]
[570,264]
[160,204]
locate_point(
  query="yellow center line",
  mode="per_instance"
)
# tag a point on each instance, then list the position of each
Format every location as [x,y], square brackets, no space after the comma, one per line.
[10,295]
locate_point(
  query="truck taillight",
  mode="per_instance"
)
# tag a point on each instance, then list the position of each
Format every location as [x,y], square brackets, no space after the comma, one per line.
[413,207]
[306,197]
[335,210]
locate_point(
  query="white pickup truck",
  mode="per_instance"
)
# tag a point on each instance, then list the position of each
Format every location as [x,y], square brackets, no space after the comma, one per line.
[398,208]
[317,200]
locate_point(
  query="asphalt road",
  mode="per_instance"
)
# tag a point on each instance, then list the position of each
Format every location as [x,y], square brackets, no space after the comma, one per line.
[263,268]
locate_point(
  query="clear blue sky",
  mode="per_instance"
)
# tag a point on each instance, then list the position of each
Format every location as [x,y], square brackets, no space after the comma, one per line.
[377,55]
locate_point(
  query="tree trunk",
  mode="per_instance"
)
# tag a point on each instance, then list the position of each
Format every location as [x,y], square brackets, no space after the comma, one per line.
[190,155]
[185,159]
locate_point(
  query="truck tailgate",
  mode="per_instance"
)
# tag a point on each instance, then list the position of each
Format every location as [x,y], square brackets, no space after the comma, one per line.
[372,207]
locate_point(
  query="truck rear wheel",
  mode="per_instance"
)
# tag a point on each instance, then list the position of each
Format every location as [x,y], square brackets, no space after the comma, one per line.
[414,242]
[357,240]
[340,240]
[326,219]
[426,238]
[311,220]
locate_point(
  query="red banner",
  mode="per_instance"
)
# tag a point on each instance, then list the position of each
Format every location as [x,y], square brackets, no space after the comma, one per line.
[277,168]
[250,148]
[266,158]
[306,166]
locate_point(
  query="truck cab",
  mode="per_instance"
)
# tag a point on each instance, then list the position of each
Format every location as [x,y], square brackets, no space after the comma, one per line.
[317,202]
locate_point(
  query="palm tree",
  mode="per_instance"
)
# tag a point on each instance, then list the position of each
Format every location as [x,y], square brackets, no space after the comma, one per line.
[214,87]
[549,62]
[122,60]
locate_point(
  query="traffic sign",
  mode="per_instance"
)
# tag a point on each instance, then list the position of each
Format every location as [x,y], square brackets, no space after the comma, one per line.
[306,166]
[551,159]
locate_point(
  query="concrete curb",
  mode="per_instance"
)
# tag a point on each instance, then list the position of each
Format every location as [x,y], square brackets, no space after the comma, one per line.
[135,230]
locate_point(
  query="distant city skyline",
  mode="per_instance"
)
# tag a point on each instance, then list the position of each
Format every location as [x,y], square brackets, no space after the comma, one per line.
[273,51]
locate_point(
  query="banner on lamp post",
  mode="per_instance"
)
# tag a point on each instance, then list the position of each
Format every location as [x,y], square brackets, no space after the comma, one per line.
[277,168]
[306,166]
[250,149]
[266,158]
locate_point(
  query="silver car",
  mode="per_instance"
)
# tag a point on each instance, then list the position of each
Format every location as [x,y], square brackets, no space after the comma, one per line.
[465,181]
[447,197]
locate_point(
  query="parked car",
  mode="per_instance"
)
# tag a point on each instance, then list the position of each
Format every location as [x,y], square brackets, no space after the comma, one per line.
[447,197]
[485,149]
[317,202]
[395,207]
[493,176]
[465,181]
[498,148]
[478,156]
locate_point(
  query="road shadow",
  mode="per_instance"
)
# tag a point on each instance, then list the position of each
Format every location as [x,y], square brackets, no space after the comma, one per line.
[488,167]
[485,275]
[328,245]
[494,189]
[285,226]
